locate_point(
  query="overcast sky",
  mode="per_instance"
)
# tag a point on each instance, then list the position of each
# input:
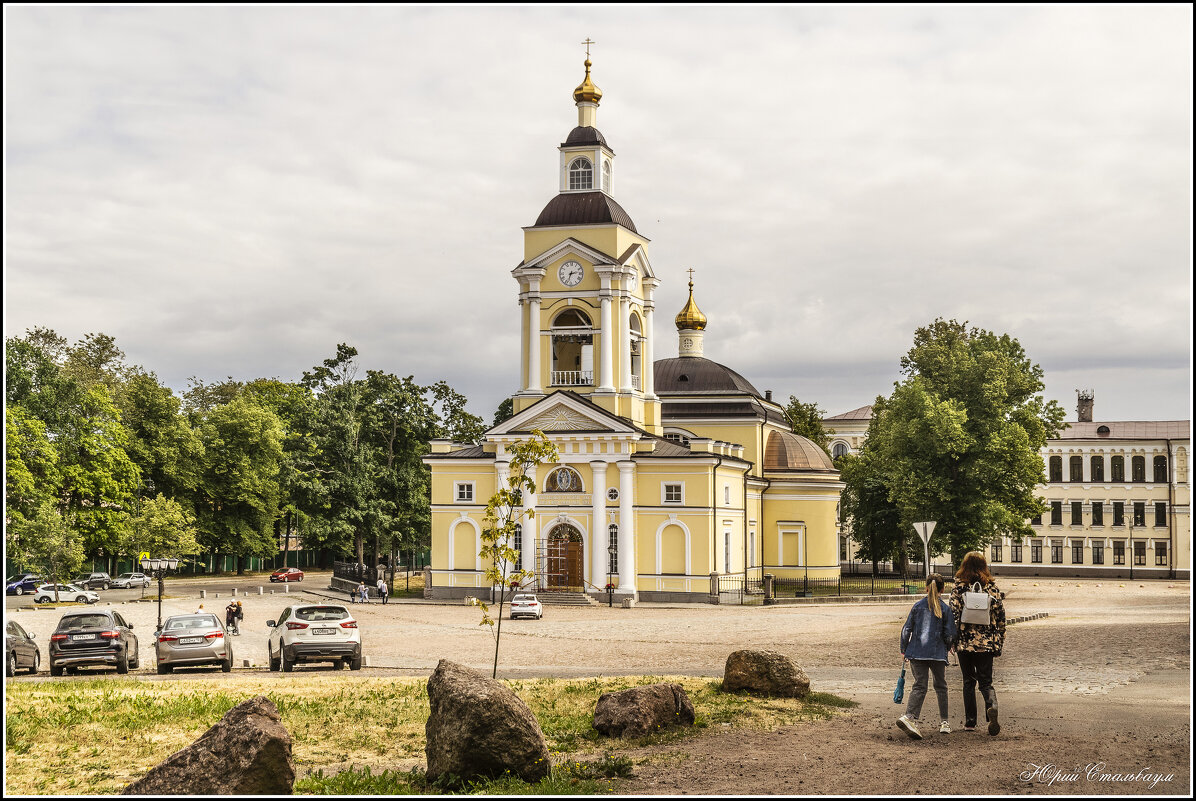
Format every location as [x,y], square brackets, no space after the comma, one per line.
[233,191]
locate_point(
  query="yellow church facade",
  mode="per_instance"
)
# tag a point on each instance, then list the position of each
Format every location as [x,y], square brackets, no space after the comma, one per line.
[671,472]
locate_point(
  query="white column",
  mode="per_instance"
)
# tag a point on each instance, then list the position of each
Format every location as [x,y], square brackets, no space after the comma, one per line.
[626,527]
[533,343]
[646,365]
[606,381]
[529,527]
[624,343]
[598,533]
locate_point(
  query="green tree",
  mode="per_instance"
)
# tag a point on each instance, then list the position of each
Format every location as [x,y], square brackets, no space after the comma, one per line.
[30,465]
[806,420]
[49,543]
[870,517]
[503,513]
[958,440]
[162,442]
[164,529]
[505,411]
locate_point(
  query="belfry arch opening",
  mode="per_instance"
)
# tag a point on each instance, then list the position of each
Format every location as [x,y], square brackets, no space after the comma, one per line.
[636,347]
[572,349]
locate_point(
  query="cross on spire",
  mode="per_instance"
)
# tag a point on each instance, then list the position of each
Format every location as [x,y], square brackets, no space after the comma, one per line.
[587,43]
[691,277]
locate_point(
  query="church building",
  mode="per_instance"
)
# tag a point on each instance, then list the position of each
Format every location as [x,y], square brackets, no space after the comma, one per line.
[671,472]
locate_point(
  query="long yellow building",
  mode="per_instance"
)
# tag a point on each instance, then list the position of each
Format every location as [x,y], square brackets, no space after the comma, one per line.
[679,463]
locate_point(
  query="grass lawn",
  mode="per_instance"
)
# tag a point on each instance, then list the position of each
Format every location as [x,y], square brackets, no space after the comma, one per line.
[354,735]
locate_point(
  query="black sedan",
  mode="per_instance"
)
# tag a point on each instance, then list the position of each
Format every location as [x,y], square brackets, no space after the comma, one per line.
[20,651]
[102,637]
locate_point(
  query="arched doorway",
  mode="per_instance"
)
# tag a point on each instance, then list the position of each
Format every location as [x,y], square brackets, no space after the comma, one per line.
[561,568]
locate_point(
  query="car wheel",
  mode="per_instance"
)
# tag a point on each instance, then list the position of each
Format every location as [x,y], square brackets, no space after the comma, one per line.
[355,663]
[136,663]
[37,662]
[55,670]
[20,591]
[164,669]
[42,600]
[227,665]
[106,585]
[10,667]
[122,664]
[299,579]
[287,665]
[274,664]
[81,599]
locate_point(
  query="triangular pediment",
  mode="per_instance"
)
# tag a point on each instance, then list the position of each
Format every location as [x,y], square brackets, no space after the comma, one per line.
[637,256]
[569,247]
[563,412]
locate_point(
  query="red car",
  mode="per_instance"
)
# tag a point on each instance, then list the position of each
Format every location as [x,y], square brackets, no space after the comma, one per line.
[287,574]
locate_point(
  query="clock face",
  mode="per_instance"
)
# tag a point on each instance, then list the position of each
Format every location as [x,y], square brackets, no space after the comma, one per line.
[571,273]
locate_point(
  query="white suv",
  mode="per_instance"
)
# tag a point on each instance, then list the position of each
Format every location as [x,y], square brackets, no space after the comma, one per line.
[66,593]
[314,633]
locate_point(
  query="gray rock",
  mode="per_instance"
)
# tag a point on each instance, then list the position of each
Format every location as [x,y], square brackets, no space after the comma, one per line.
[767,672]
[479,728]
[638,711]
[247,752]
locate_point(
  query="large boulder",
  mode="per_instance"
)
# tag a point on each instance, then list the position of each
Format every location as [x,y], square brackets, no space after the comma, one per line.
[643,710]
[767,672]
[247,752]
[479,728]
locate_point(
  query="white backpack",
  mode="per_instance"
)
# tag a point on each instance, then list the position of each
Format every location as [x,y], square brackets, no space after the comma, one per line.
[976,605]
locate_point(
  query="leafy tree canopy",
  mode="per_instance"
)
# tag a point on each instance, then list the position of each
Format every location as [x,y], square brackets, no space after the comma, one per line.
[806,420]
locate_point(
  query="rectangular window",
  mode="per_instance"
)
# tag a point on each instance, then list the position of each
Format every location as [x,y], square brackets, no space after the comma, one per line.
[1119,552]
[1075,469]
[1077,513]
[1098,513]
[1056,469]
[1036,551]
[1160,553]
[1077,552]
[843,549]
[517,542]
[726,495]
[1139,553]
[672,493]
[1138,468]
[1118,465]
[1015,552]
[1036,520]
[464,491]
[1118,513]
[1160,514]
[996,550]
[1098,553]
[1056,552]
[1160,469]
[614,552]
[1139,513]
[1098,468]
[1056,513]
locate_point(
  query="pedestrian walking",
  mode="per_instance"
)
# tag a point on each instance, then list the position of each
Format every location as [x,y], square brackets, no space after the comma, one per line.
[230,616]
[979,611]
[928,633]
[363,592]
[383,590]
[237,620]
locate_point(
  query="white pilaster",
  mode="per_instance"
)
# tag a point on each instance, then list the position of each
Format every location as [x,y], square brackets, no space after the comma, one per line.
[600,558]
[647,380]
[626,527]
[530,525]
[624,341]
[606,381]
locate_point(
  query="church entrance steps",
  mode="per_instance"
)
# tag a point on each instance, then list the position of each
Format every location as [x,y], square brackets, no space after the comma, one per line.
[565,599]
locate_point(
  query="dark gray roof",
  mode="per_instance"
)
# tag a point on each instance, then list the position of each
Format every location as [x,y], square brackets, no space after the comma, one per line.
[472,452]
[584,208]
[1128,429]
[585,135]
[694,375]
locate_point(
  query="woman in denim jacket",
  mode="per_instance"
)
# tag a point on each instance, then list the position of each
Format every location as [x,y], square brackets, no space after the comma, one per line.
[927,634]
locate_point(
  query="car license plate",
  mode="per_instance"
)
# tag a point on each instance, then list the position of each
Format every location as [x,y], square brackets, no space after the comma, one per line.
[75,637]
[323,631]
[190,640]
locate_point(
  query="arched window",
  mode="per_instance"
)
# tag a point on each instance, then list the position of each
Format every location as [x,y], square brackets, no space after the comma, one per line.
[564,479]
[1075,469]
[606,175]
[613,533]
[517,543]
[1056,469]
[572,349]
[680,436]
[572,318]
[1098,468]
[1117,465]
[1139,468]
[581,174]
[838,450]
[1160,469]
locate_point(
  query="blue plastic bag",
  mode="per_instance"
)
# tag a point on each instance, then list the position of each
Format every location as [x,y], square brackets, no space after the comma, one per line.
[899,693]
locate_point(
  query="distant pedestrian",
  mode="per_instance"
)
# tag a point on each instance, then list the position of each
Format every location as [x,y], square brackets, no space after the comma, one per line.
[928,632]
[199,611]
[230,616]
[239,618]
[383,590]
[363,592]
[978,643]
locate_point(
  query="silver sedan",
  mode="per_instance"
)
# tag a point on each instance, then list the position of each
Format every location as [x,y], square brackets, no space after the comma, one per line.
[191,640]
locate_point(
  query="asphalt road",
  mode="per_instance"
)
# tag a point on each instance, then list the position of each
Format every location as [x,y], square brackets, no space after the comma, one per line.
[191,586]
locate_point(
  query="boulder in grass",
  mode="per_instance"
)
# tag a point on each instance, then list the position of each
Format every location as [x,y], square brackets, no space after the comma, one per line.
[766,672]
[247,752]
[638,711]
[479,728]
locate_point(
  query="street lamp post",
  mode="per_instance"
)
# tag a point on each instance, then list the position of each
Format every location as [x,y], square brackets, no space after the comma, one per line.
[611,550]
[926,531]
[1130,528]
[159,568]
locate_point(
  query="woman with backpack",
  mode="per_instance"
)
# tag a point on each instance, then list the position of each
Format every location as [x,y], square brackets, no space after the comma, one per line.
[927,634]
[979,611]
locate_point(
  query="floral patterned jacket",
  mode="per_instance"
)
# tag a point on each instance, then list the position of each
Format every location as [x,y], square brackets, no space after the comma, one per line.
[975,637]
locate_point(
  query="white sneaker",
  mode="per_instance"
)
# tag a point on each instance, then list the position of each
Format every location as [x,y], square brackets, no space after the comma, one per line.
[944,728]
[907,725]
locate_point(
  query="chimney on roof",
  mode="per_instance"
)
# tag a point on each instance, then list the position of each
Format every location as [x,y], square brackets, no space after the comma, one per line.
[1084,399]
[768,394]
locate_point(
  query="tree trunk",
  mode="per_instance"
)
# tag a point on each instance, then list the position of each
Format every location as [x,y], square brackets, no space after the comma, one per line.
[286,547]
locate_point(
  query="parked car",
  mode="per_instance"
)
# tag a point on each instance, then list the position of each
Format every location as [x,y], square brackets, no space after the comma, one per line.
[19,585]
[526,606]
[20,651]
[189,640]
[314,633]
[94,637]
[66,592]
[287,574]
[93,581]
[127,581]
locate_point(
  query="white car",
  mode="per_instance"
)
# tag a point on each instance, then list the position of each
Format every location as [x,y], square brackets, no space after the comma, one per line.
[66,592]
[526,606]
[126,581]
[314,633]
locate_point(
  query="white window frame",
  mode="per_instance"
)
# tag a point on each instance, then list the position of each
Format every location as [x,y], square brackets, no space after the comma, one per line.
[569,172]
[458,486]
[665,486]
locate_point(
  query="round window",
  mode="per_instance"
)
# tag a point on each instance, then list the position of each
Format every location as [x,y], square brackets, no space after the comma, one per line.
[612,494]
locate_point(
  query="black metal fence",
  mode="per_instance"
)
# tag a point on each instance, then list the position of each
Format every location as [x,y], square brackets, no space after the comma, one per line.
[806,587]
[353,571]
[745,589]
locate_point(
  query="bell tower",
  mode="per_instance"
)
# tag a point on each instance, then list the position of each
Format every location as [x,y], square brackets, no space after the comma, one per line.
[586,285]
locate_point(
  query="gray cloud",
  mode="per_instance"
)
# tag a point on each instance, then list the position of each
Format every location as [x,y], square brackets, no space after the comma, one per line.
[234,190]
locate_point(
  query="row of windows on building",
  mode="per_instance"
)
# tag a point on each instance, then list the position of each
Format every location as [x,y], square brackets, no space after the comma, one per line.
[1097,510]
[566,480]
[1075,469]
[997,552]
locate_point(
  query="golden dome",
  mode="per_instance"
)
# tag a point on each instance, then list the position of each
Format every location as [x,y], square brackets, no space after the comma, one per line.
[587,92]
[691,318]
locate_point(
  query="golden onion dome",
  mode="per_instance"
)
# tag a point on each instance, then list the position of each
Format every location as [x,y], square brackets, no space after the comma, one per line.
[691,318]
[587,92]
